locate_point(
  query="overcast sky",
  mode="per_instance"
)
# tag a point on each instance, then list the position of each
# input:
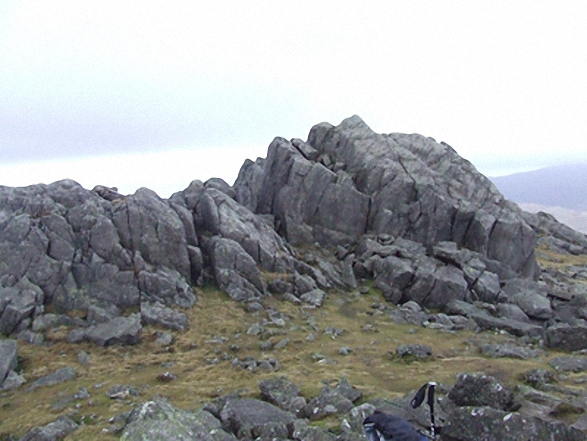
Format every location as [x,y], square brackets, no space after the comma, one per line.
[156,94]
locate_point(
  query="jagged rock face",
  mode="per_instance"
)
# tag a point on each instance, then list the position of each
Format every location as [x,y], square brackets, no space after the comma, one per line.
[347,180]
[63,245]
[76,249]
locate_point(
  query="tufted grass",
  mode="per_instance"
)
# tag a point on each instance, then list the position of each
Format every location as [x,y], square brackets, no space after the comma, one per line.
[371,366]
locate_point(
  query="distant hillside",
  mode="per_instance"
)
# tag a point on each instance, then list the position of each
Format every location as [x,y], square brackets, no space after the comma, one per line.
[559,186]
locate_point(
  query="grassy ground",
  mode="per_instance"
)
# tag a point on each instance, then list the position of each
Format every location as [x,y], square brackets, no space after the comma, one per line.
[204,370]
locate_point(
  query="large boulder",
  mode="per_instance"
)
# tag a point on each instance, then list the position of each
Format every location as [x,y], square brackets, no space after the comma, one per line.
[235,270]
[248,417]
[73,248]
[356,181]
[481,390]
[489,424]
[120,330]
[8,358]
[157,420]
[566,337]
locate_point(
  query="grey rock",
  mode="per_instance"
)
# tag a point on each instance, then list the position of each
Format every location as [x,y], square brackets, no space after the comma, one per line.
[30,337]
[404,185]
[12,381]
[354,421]
[481,390]
[221,216]
[302,431]
[121,391]
[487,287]
[337,400]
[97,314]
[510,351]
[220,185]
[565,337]
[513,312]
[533,304]
[409,312]
[83,358]
[167,287]
[149,225]
[49,321]
[315,297]
[157,420]
[235,271]
[414,350]
[247,417]
[569,364]
[57,430]
[120,330]
[281,392]
[460,307]
[158,314]
[485,423]
[64,401]
[8,358]
[59,376]
[514,327]
[538,377]
[164,338]
[19,303]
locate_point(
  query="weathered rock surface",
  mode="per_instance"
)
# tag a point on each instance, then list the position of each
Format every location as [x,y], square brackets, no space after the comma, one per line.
[120,330]
[158,314]
[158,420]
[8,358]
[404,185]
[54,431]
[481,390]
[59,376]
[488,424]
[246,417]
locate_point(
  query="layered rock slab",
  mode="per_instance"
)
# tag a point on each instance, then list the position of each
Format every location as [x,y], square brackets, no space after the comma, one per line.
[356,181]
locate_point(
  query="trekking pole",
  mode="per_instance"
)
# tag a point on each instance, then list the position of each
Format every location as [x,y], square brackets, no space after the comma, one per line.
[419,399]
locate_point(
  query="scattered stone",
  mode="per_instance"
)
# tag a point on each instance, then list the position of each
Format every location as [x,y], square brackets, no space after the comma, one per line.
[281,392]
[163,338]
[315,297]
[158,420]
[63,402]
[121,391]
[166,377]
[538,377]
[511,351]
[481,390]
[32,338]
[56,430]
[566,337]
[414,350]
[83,358]
[248,417]
[252,364]
[281,344]
[345,350]
[120,330]
[59,376]
[569,364]
[159,314]
[13,381]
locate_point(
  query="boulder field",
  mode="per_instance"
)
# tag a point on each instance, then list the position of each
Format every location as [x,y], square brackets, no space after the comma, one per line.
[314,217]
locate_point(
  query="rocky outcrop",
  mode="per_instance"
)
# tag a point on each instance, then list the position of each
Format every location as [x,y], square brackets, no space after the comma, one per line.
[346,181]
[75,249]
[476,408]
[401,209]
